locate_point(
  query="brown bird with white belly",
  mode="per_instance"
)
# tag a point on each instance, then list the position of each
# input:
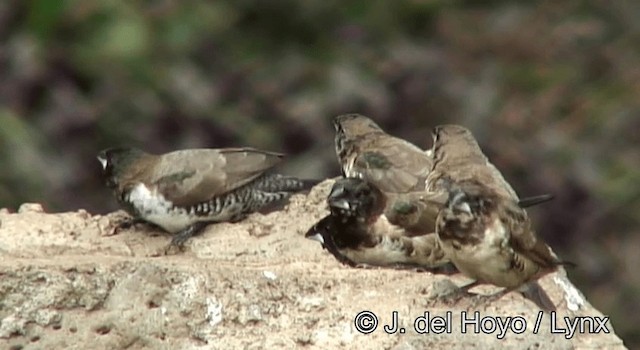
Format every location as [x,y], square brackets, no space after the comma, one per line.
[184,191]
[483,228]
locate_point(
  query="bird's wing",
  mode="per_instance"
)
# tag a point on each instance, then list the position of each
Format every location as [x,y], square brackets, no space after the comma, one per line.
[427,253]
[415,212]
[194,176]
[394,165]
[525,241]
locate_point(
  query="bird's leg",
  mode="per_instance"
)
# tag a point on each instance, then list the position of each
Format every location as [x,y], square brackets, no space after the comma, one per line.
[469,286]
[476,299]
[237,218]
[183,236]
[457,294]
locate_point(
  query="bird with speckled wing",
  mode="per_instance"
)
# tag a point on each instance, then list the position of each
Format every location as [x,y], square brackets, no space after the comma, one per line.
[184,191]
[365,151]
[357,233]
[483,227]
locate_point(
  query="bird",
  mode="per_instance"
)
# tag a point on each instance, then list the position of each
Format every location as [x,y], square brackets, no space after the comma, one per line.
[184,191]
[360,214]
[390,163]
[483,227]
[490,238]
[357,233]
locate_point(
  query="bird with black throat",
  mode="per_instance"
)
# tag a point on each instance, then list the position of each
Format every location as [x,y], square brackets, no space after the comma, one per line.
[184,191]
[367,152]
[483,228]
[357,233]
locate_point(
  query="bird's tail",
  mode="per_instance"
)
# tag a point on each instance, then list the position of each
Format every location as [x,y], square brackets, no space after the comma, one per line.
[534,292]
[534,200]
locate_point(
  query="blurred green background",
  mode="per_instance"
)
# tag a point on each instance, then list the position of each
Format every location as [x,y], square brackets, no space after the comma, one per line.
[551,89]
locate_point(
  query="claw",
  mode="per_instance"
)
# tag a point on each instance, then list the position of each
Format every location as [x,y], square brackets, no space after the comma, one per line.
[127,223]
[455,296]
[366,266]
[171,246]
[183,236]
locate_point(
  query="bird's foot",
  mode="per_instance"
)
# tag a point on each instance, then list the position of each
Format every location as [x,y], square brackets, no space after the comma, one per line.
[450,294]
[173,248]
[178,241]
[128,223]
[479,300]
[366,266]
[455,296]
[446,269]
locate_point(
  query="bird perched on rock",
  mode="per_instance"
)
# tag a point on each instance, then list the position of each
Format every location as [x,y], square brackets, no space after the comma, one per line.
[184,191]
[365,151]
[357,233]
[483,228]
[489,238]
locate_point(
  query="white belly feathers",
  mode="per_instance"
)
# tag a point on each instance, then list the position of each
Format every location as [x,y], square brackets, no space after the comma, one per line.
[483,261]
[153,207]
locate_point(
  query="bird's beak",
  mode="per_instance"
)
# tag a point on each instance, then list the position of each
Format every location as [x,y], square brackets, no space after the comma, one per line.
[340,203]
[434,134]
[316,237]
[337,191]
[335,199]
[465,208]
[458,202]
[103,162]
